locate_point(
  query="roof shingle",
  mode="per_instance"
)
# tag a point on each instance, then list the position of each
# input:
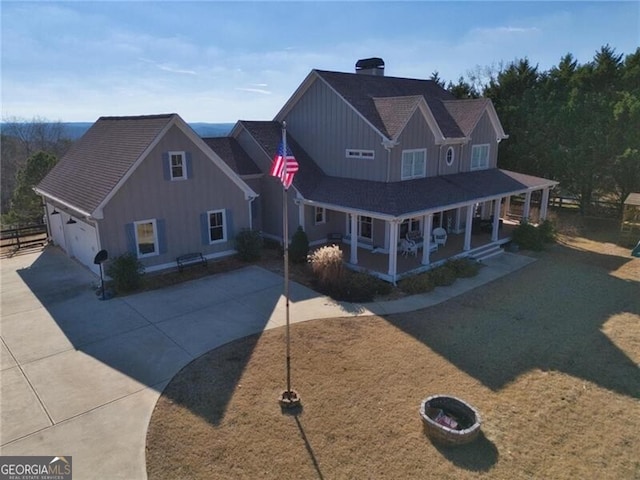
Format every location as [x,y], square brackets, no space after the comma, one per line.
[100,158]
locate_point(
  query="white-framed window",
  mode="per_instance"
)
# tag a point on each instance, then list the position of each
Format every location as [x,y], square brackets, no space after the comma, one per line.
[414,163]
[410,225]
[146,233]
[450,156]
[177,165]
[480,157]
[320,215]
[217,226]
[355,153]
[365,227]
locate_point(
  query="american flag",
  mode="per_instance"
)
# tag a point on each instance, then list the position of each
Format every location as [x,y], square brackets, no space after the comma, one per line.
[284,166]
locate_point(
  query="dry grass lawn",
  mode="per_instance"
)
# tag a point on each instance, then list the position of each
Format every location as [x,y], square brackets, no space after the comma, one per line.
[549,356]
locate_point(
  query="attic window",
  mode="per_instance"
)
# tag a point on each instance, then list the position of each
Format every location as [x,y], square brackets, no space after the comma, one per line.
[178,169]
[366,154]
[450,156]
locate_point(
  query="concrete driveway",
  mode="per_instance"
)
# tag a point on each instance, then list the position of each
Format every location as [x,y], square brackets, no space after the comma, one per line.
[80,377]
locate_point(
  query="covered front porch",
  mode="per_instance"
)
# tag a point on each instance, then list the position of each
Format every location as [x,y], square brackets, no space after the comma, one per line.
[377,262]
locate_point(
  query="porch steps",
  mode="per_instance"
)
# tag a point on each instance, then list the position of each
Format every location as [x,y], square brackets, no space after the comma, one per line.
[485,252]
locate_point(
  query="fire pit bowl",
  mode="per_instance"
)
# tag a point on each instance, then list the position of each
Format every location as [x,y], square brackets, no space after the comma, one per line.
[449,420]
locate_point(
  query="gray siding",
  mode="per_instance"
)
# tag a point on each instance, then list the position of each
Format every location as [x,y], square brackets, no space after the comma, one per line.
[326,126]
[335,223]
[483,133]
[415,135]
[147,195]
[270,190]
[445,169]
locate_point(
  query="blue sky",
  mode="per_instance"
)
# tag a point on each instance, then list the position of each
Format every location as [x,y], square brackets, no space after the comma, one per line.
[215,61]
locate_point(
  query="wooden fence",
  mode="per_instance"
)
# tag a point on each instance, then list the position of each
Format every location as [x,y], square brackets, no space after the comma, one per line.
[24,236]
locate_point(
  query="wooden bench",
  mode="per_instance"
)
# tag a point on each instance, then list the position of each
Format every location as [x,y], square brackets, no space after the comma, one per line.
[190,259]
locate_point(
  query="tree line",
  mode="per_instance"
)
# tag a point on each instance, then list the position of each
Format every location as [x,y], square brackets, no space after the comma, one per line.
[575,123]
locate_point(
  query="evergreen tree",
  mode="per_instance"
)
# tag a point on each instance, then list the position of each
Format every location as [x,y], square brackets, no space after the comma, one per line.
[26,205]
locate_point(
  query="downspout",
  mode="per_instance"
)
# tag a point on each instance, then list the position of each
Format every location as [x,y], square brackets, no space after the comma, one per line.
[251,199]
[388,145]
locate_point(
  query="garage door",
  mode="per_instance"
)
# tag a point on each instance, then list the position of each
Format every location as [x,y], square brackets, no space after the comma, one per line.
[83,243]
[56,228]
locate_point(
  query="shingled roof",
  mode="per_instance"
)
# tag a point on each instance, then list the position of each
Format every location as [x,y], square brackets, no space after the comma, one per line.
[100,158]
[233,155]
[268,135]
[401,199]
[364,93]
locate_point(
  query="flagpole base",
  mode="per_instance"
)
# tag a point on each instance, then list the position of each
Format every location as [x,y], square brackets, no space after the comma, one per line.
[289,399]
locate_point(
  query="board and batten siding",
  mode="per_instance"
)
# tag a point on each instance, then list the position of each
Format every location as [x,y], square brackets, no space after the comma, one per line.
[179,204]
[483,133]
[416,135]
[326,126]
[270,188]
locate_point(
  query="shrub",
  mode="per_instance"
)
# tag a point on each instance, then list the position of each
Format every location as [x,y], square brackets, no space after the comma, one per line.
[464,267]
[421,283]
[357,287]
[443,276]
[299,248]
[249,245]
[547,231]
[528,237]
[326,264]
[126,272]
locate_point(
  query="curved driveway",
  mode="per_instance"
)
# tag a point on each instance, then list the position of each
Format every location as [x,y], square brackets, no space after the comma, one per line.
[80,376]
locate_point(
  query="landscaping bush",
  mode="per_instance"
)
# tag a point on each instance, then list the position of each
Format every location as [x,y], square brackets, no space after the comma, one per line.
[299,248]
[443,276]
[464,267]
[547,231]
[326,264]
[421,283]
[249,245]
[126,272]
[529,237]
[357,287]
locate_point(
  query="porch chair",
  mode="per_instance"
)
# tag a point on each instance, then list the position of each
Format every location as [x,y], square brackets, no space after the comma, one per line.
[408,247]
[439,236]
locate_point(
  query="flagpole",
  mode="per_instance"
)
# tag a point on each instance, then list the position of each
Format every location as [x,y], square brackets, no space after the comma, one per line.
[289,397]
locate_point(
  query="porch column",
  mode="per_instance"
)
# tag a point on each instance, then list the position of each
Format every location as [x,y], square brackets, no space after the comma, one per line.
[507,205]
[458,217]
[353,258]
[467,230]
[544,204]
[496,220]
[527,206]
[301,215]
[393,249]
[426,235]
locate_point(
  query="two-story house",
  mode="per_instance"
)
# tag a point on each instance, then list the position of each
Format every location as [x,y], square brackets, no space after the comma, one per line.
[381,158]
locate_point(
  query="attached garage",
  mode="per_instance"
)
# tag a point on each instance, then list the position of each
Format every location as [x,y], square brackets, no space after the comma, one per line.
[82,241]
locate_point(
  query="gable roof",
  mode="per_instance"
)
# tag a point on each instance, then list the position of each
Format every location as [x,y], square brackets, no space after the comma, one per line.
[387,104]
[99,163]
[360,91]
[229,150]
[467,114]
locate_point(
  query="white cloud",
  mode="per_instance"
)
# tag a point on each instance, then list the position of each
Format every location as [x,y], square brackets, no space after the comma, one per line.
[254,90]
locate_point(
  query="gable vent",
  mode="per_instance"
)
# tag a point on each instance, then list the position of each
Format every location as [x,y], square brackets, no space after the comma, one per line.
[370,66]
